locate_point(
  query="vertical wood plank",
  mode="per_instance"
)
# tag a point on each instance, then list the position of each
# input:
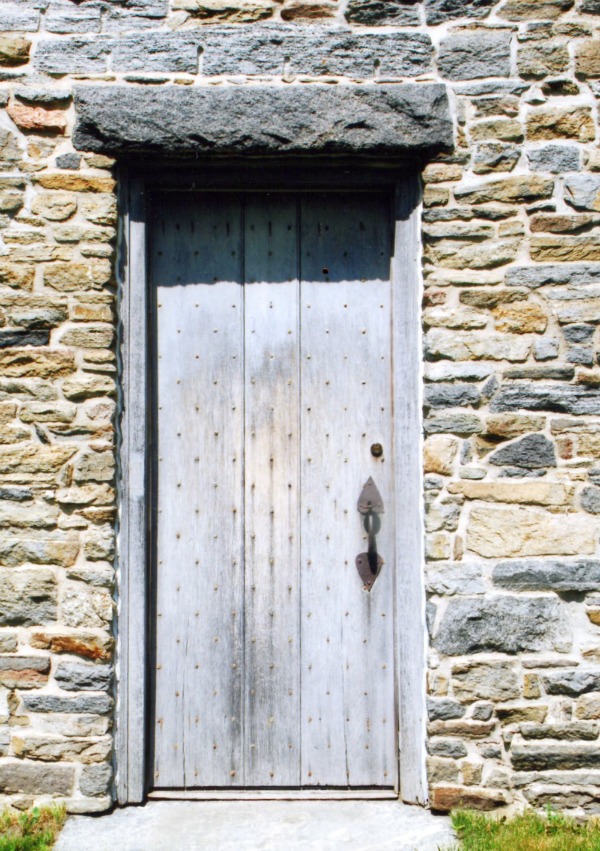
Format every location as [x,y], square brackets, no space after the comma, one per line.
[131,545]
[271,665]
[348,712]
[408,454]
[197,275]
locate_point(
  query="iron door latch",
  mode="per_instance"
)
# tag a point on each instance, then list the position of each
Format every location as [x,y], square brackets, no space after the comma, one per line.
[370,506]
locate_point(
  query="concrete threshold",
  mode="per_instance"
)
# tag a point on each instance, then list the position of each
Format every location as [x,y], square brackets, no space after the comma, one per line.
[260,826]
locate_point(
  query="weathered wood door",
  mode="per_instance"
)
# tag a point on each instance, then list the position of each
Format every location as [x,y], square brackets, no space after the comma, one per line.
[272,335]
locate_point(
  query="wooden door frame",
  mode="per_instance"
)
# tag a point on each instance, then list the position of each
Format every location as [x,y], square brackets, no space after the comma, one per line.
[133,538]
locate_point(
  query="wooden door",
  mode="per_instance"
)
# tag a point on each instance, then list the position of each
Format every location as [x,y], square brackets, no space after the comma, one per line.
[272,335]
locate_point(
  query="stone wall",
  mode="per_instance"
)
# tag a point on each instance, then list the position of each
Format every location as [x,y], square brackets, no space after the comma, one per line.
[512,382]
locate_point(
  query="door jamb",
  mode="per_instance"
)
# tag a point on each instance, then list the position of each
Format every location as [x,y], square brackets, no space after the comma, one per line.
[133,474]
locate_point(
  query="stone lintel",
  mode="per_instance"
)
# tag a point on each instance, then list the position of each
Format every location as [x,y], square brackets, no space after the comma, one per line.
[407,120]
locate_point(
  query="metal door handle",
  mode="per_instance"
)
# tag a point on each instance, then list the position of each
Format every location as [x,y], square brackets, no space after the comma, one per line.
[370,505]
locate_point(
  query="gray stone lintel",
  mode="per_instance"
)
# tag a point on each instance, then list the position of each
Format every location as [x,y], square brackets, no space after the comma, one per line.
[406,120]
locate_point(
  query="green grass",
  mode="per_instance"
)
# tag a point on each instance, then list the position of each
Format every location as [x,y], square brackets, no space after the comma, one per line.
[528,832]
[33,830]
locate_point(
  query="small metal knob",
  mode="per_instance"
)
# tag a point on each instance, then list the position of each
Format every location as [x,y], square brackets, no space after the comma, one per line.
[376,450]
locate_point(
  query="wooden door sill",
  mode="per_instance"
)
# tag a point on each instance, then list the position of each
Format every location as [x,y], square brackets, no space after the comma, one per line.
[273,795]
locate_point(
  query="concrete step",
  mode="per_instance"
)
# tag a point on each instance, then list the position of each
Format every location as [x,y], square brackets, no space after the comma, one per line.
[260,826]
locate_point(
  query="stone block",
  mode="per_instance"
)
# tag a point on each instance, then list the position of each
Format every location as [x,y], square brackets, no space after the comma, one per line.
[508,426]
[543,124]
[588,707]
[465,345]
[18,464]
[534,493]
[98,704]
[68,161]
[40,363]
[62,17]
[536,10]
[466,728]
[95,780]
[309,10]
[14,50]
[576,274]
[88,387]
[167,52]
[439,453]
[97,646]
[534,451]
[567,249]
[517,714]
[590,500]
[10,339]
[500,623]
[84,606]
[444,710]
[444,317]
[15,516]
[571,732]
[522,189]
[460,424]
[60,548]
[470,55]
[561,575]
[11,200]
[572,755]
[520,318]
[556,159]
[444,799]
[78,676]
[505,129]
[583,191]
[18,17]
[316,50]
[497,531]
[441,770]
[572,683]
[487,255]
[578,333]
[45,412]
[48,748]
[94,467]
[563,223]
[454,578]
[437,546]
[24,672]
[27,597]
[485,681]
[540,60]
[440,11]
[382,119]
[77,55]
[228,11]
[376,13]
[38,119]
[558,398]
[16,276]
[32,778]
[545,349]
[54,206]
[493,157]
[587,59]
[442,395]
[99,209]
[90,337]
[9,641]
[59,96]
[449,748]
[466,371]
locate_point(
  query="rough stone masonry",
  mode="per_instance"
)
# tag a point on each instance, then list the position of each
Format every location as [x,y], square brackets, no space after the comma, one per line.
[511,264]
